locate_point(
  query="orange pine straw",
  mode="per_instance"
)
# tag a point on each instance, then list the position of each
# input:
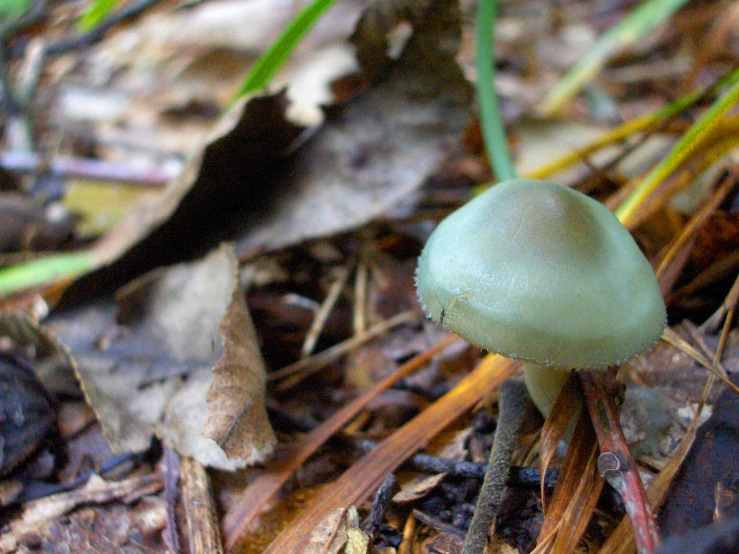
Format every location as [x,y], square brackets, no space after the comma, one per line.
[358,482]
[258,494]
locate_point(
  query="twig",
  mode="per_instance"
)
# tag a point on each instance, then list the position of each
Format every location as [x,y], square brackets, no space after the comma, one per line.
[319,321]
[203,532]
[512,397]
[91,37]
[521,477]
[379,505]
[615,463]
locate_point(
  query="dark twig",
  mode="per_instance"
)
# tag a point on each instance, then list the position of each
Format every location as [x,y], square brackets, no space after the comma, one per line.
[379,505]
[520,477]
[436,523]
[33,490]
[94,35]
[512,397]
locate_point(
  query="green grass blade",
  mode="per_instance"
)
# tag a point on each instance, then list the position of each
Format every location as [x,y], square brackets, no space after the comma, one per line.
[635,25]
[685,147]
[96,14]
[493,129]
[273,58]
[13,9]
[45,270]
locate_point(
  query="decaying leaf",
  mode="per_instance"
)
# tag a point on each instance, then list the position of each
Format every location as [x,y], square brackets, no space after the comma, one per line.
[368,159]
[153,370]
[372,155]
[418,488]
[338,530]
[39,514]
[237,418]
[187,218]
[329,536]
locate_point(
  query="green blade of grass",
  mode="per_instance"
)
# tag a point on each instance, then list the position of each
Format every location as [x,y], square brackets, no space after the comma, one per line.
[96,14]
[46,270]
[273,58]
[685,147]
[493,129]
[635,25]
[13,9]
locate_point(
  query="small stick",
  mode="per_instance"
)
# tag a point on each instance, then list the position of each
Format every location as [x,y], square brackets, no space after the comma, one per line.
[171,466]
[384,495]
[319,321]
[616,465]
[518,477]
[512,396]
[201,515]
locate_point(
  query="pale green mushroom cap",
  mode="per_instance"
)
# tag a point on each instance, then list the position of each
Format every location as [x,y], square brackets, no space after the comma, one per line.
[537,271]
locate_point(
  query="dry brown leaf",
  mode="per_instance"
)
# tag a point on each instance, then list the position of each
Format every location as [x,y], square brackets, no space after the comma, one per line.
[179,65]
[237,419]
[241,147]
[330,535]
[96,491]
[418,488]
[154,370]
[369,159]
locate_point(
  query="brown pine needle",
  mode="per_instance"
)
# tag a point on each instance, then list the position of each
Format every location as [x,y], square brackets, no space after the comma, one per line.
[672,338]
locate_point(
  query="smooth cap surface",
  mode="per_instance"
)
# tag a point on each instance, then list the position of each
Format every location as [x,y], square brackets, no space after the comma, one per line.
[537,271]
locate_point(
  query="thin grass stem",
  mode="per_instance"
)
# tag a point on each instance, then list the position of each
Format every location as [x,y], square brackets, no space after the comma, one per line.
[492,123]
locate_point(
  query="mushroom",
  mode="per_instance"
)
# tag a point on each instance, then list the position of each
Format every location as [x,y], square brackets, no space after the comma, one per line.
[536,271]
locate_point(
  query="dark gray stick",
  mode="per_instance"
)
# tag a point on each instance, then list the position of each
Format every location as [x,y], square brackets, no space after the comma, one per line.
[511,400]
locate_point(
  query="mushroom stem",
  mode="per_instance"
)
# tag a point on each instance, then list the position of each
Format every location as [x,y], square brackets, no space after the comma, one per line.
[511,401]
[544,384]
